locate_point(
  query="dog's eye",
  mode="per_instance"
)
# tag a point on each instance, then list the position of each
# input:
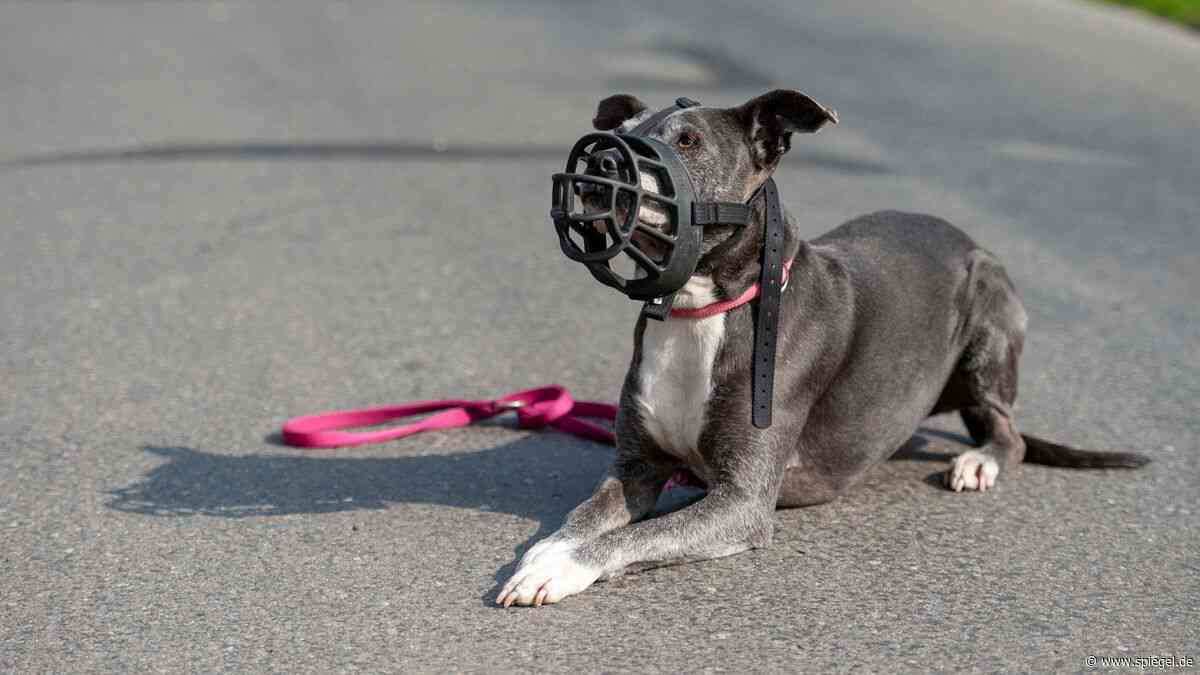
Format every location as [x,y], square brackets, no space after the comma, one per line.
[687,139]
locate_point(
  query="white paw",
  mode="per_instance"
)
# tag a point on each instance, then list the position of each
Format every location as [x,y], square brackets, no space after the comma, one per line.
[547,573]
[972,470]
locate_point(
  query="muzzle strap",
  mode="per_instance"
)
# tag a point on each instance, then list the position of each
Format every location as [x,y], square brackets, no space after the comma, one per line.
[720,213]
[766,328]
[653,120]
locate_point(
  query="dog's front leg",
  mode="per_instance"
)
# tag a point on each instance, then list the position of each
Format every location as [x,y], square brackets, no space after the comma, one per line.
[550,570]
[727,520]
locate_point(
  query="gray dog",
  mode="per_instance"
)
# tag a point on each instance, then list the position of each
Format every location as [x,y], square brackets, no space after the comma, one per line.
[884,321]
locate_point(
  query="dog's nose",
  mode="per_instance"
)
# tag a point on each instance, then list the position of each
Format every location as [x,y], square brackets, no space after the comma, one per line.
[604,164]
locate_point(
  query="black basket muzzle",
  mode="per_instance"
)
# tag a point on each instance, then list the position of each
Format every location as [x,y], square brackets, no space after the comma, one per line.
[597,207]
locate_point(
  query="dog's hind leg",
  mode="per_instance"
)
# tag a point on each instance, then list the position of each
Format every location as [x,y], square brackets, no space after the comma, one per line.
[985,381]
[1000,446]
[803,487]
[983,389]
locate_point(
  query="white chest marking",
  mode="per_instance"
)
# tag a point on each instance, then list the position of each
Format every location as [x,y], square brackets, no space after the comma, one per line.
[675,375]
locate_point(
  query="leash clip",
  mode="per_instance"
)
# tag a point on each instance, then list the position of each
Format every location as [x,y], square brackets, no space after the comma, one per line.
[507,406]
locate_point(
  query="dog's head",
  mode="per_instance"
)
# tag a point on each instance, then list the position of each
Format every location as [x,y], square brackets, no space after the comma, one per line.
[728,152]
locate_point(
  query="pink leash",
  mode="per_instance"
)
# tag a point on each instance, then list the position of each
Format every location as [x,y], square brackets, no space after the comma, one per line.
[537,408]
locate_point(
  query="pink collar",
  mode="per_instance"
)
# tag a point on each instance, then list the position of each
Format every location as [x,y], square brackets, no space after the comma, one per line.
[725,305]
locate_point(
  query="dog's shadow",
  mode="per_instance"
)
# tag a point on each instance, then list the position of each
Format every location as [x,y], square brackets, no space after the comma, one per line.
[538,476]
[535,476]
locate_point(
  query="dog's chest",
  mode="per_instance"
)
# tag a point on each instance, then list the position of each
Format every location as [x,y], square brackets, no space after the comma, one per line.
[675,381]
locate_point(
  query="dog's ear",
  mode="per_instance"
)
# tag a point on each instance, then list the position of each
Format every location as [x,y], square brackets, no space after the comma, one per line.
[771,119]
[614,110]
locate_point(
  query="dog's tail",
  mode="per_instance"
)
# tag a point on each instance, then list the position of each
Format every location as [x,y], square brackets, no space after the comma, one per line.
[1041,451]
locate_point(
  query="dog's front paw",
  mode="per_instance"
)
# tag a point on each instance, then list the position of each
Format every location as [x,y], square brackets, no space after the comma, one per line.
[548,572]
[972,470]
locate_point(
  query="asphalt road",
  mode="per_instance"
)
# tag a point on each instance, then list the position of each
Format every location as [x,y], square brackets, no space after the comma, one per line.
[215,216]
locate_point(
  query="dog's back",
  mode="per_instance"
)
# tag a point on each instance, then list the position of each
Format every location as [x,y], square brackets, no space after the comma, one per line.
[898,233]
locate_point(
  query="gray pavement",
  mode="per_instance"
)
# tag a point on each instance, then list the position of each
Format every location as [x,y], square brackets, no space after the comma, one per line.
[215,216]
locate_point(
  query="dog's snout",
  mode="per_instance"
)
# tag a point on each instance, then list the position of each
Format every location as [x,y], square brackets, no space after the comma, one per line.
[605,163]
[587,190]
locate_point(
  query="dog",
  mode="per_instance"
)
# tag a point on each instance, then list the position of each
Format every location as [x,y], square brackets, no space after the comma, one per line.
[884,321]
